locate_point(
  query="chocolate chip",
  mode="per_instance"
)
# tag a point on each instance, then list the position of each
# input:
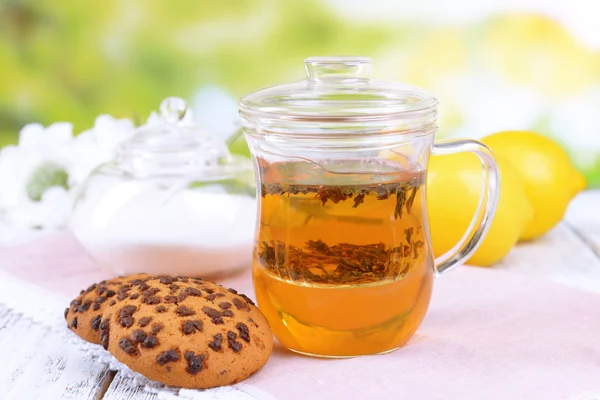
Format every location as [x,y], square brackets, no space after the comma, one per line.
[110,293]
[151,292]
[184,311]
[104,339]
[173,286]
[240,305]
[209,291]
[170,299]
[244,331]
[104,333]
[195,362]
[85,306]
[74,323]
[227,313]
[144,286]
[188,328]
[101,290]
[66,312]
[225,305]
[125,316]
[138,335]
[232,291]
[92,287]
[182,296]
[151,300]
[127,311]
[211,297]
[157,327]
[191,326]
[128,347]
[167,356]
[216,342]
[160,309]
[193,292]
[100,300]
[233,345]
[134,296]
[211,312]
[183,279]
[112,303]
[248,299]
[75,303]
[165,280]
[95,306]
[105,323]
[95,322]
[144,321]
[150,342]
[122,296]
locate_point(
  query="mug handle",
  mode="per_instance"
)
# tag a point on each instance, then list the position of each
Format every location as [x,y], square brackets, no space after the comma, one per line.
[488,201]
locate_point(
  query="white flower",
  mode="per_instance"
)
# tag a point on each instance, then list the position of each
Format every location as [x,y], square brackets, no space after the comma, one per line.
[39,176]
[51,212]
[37,146]
[97,146]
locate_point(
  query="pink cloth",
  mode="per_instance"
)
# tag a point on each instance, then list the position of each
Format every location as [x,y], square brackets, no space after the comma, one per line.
[488,335]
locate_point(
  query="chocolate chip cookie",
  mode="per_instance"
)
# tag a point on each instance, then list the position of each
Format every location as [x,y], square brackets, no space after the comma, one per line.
[84,314]
[186,332]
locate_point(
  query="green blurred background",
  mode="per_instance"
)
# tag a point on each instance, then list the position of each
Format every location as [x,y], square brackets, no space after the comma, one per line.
[493,67]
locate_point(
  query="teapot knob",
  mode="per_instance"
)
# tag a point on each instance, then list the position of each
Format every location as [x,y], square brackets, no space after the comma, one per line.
[320,68]
[173,109]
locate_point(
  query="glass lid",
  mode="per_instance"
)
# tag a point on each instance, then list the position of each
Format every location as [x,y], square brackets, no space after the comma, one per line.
[170,144]
[339,89]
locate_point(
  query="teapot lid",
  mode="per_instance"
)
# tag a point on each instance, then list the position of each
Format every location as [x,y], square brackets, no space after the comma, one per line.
[170,144]
[339,89]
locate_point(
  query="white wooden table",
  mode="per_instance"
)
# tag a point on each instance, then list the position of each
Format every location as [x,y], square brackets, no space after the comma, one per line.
[30,367]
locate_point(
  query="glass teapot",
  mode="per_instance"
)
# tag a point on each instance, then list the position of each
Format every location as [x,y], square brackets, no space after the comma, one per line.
[342,263]
[173,201]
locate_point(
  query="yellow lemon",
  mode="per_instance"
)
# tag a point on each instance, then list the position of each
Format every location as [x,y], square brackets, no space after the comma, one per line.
[551,180]
[453,189]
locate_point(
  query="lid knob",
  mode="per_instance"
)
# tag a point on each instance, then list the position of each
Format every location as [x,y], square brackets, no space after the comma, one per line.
[173,109]
[320,68]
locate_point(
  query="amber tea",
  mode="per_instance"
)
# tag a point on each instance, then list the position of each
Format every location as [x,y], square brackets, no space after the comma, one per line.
[341,265]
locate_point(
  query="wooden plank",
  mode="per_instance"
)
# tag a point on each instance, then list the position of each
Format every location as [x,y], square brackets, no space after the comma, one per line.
[3,311]
[8,320]
[122,388]
[560,256]
[38,364]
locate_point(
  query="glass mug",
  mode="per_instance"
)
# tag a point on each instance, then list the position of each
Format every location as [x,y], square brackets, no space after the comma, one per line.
[342,264]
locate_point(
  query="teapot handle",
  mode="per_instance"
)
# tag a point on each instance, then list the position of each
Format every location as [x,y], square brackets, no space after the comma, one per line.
[488,201]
